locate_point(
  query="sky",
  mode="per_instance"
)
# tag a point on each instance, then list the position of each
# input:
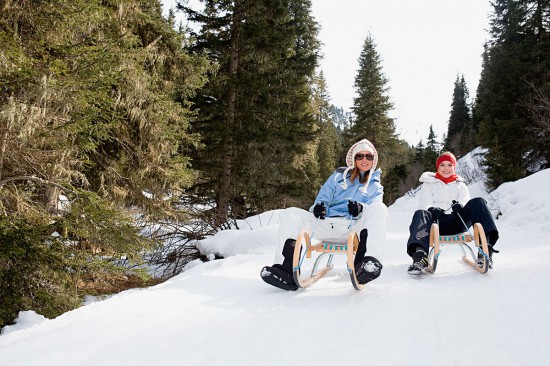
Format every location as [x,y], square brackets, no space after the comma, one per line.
[221,313]
[423,44]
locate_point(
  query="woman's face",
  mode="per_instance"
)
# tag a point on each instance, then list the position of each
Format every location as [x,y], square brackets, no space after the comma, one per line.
[446,169]
[365,162]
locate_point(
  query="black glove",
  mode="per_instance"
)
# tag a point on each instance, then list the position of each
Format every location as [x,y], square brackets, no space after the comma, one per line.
[354,208]
[457,208]
[320,211]
[436,212]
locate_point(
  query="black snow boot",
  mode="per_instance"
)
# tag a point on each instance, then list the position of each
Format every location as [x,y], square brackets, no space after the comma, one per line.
[420,262]
[480,256]
[368,269]
[278,276]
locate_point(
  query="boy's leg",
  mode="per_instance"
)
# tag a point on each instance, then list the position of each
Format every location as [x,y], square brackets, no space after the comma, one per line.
[419,232]
[476,210]
[418,244]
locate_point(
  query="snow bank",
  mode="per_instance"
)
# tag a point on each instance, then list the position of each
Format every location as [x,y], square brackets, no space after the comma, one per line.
[227,243]
[470,166]
[222,313]
[524,204]
[25,319]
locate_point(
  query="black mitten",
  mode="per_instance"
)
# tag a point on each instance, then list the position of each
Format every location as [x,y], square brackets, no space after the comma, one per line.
[457,208]
[320,211]
[436,212]
[354,208]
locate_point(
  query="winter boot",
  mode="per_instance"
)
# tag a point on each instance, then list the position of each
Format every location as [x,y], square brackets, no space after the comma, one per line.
[278,276]
[420,262]
[480,256]
[367,269]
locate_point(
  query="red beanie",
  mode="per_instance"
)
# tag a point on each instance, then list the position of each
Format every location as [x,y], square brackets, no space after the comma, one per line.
[447,156]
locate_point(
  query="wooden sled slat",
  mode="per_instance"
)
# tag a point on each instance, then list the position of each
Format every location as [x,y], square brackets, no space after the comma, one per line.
[480,237]
[455,238]
[353,244]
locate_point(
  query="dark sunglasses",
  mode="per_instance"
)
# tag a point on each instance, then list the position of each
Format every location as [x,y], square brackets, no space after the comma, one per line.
[369,157]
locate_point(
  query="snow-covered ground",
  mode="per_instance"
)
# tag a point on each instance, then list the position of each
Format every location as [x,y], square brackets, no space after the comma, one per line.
[222,313]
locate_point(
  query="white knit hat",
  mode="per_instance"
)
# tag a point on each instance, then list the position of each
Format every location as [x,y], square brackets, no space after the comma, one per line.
[363,145]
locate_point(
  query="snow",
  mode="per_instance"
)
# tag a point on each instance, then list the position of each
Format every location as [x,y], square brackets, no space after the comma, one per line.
[524,205]
[222,313]
[256,232]
[25,319]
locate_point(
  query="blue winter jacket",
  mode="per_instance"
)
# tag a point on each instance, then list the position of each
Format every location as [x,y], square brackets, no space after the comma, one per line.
[333,195]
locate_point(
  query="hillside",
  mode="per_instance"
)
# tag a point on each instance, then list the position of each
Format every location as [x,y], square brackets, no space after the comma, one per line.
[221,313]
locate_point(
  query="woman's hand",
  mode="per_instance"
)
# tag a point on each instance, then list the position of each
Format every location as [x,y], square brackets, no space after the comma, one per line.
[354,208]
[320,211]
[436,212]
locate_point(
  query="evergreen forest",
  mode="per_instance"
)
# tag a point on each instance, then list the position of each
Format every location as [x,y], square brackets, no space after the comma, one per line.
[125,137]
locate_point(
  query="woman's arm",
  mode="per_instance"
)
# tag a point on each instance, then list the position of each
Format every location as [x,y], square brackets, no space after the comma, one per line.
[376,196]
[327,190]
[426,196]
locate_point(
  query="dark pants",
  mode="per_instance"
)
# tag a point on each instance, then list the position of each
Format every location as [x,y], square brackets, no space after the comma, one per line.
[475,211]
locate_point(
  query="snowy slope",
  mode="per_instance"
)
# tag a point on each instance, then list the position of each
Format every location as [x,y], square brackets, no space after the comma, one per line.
[222,313]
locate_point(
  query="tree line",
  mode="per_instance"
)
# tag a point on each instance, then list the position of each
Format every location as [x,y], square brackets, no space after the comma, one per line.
[124,137]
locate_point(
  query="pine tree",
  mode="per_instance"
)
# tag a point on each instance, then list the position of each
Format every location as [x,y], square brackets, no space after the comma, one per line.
[477,116]
[432,151]
[329,145]
[460,138]
[396,176]
[371,118]
[518,57]
[538,108]
[256,113]
[372,106]
[93,109]
[419,153]
[339,118]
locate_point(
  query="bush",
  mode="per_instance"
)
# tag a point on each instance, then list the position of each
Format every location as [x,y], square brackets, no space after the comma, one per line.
[32,271]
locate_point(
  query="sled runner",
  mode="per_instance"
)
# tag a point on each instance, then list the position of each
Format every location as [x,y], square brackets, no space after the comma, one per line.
[479,240]
[303,249]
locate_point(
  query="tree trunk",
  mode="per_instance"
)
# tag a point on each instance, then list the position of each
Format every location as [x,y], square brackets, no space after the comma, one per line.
[4,131]
[3,143]
[50,198]
[224,183]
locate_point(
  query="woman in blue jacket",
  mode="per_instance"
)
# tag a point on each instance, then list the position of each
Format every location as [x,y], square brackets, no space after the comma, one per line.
[350,192]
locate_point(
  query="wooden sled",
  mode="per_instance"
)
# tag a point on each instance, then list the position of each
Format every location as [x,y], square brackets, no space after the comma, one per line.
[479,239]
[303,243]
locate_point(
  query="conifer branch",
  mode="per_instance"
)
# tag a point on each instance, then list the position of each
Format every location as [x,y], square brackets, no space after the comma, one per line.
[31,178]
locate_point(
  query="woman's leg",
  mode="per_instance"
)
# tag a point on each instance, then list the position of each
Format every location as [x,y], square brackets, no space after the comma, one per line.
[375,220]
[371,228]
[292,221]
